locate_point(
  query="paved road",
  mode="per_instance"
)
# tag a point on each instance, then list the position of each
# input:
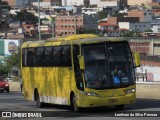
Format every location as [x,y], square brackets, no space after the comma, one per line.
[14,101]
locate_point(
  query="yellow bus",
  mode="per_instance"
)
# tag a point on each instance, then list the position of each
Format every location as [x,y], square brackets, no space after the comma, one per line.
[81,71]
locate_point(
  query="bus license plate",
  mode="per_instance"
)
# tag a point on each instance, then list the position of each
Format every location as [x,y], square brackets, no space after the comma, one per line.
[112,100]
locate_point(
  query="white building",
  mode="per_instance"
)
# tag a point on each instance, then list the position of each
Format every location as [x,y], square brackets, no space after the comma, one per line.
[46,4]
[156,26]
[137,26]
[112,3]
[14,11]
[91,11]
[72,2]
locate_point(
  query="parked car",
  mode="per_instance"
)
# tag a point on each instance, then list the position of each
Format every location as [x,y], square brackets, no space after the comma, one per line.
[4,86]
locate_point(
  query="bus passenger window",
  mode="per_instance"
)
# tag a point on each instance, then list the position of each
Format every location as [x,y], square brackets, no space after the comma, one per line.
[66,57]
[40,56]
[31,57]
[49,55]
[57,60]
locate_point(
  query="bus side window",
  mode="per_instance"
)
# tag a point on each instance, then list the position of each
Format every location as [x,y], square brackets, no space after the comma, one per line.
[40,56]
[31,57]
[57,60]
[49,56]
[66,57]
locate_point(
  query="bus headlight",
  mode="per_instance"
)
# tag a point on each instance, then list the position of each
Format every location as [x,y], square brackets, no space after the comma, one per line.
[130,91]
[91,94]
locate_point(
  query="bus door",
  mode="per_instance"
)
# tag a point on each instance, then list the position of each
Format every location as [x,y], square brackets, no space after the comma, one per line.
[77,71]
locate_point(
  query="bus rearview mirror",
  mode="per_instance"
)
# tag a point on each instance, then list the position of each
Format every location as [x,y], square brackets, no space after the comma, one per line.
[137,59]
[81,62]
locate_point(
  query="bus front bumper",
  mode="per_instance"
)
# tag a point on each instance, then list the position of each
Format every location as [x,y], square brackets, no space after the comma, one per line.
[92,101]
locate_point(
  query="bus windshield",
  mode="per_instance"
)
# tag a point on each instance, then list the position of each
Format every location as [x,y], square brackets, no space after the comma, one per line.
[108,65]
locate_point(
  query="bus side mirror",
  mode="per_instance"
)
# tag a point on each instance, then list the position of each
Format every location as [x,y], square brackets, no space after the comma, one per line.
[81,62]
[137,59]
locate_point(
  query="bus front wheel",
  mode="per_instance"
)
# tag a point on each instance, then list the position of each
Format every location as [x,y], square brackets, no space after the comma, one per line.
[74,104]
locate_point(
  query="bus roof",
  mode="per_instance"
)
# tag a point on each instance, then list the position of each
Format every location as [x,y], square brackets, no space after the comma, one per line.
[73,39]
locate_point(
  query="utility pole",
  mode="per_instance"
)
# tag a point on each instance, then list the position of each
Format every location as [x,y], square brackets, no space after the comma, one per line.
[75,25]
[39,21]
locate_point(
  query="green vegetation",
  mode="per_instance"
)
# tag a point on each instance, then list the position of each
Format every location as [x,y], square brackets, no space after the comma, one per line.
[9,63]
[24,16]
[117,14]
[131,34]
[102,14]
[5,5]
[148,30]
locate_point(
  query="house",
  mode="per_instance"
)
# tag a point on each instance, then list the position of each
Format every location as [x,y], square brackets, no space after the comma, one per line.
[47,3]
[114,5]
[139,2]
[136,26]
[115,20]
[17,3]
[155,26]
[111,30]
[144,16]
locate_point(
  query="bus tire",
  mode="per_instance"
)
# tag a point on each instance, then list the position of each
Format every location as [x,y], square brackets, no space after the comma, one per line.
[39,104]
[74,105]
[119,107]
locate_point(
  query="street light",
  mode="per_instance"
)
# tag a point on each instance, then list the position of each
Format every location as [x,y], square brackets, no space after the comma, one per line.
[39,20]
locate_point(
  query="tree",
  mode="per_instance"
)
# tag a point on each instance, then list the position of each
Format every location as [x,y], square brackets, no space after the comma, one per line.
[24,16]
[5,5]
[13,60]
[4,68]
[131,34]
[9,63]
[102,14]
[117,14]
